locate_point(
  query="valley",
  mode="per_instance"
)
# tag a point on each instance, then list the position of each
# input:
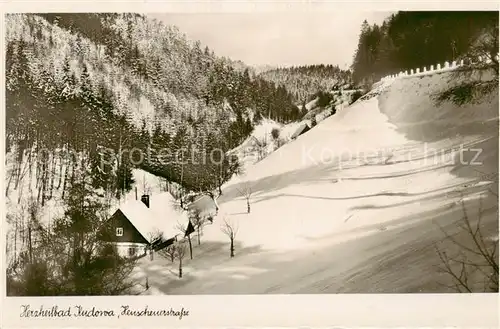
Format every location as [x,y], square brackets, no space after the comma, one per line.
[138,161]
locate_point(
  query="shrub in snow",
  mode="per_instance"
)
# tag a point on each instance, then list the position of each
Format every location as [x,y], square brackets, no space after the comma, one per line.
[355,96]
[275,133]
[180,252]
[479,252]
[324,99]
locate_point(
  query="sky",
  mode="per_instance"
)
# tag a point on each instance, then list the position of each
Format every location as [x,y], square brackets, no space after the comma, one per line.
[277,39]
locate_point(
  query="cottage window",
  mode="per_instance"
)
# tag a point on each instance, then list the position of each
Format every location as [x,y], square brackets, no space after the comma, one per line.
[131,251]
[119,231]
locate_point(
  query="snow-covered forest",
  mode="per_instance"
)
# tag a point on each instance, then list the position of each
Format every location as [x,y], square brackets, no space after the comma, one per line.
[304,82]
[407,40]
[97,102]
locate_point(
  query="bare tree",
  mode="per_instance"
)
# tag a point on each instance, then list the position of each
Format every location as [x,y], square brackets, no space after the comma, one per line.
[153,237]
[33,210]
[164,185]
[246,192]
[179,203]
[180,252]
[230,229]
[146,189]
[478,256]
[170,252]
[214,174]
[214,196]
[183,228]
[261,147]
[198,222]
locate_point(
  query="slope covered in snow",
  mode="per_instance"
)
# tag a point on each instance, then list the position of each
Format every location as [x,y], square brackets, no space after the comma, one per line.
[340,99]
[248,151]
[261,142]
[354,205]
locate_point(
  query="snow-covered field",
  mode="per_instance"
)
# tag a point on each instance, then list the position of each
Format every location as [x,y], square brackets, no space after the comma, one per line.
[354,205]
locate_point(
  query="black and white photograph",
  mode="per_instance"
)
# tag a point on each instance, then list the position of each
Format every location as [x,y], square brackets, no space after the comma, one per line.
[251,153]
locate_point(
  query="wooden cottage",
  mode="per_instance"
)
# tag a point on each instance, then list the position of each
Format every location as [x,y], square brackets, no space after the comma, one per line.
[138,226]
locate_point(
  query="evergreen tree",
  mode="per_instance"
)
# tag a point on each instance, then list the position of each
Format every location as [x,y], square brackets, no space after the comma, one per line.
[408,40]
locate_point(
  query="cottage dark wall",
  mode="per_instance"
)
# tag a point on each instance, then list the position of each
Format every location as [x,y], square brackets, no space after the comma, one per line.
[130,233]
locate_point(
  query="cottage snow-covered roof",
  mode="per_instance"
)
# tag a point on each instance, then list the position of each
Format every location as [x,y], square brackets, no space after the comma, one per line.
[160,217]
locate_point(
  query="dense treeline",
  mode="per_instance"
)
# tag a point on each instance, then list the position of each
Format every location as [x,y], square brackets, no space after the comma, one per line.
[90,82]
[163,56]
[409,40]
[55,127]
[303,82]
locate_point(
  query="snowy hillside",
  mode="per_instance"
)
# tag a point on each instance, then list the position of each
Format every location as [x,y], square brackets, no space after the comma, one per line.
[261,142]
[354,205]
